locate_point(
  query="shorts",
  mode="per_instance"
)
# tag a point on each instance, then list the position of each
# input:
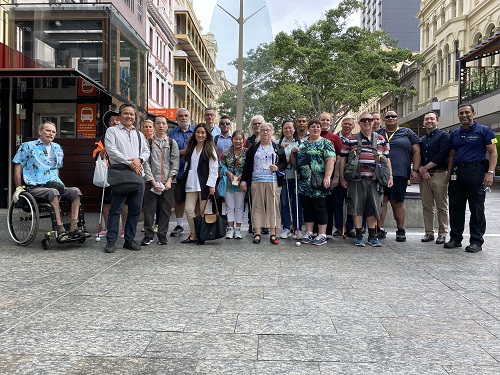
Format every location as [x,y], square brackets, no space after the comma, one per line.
[48,194]
[398,190]
[364,197]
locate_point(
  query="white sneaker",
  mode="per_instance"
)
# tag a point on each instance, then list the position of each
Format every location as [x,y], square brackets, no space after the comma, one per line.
[237,233]
[229,232]
[285,233]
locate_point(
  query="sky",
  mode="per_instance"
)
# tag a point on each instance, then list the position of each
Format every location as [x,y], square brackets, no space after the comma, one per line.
[286,15]
[279,15]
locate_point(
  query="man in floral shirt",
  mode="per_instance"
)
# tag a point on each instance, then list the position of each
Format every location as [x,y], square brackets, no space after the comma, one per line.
[37,165]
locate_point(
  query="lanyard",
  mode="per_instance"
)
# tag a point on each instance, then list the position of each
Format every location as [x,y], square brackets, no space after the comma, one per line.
[392,135]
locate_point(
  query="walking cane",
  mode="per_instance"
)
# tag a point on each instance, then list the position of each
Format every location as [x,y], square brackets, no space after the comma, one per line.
[275,241]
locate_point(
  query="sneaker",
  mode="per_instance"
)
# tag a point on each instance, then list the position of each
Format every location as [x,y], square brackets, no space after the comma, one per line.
[148,240]
[319,240]
[374,241]
[381,234]
[307,238]
[229,233]
[237,233]
[101,234]
[176,232]
[131,245]
[285,233]
[351,233]
[297,235]
[337,233]
[401,235]
[122,234]
[162,240]
[360,242]
[110,247]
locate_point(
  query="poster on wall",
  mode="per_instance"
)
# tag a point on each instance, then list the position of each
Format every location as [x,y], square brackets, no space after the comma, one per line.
[86,120]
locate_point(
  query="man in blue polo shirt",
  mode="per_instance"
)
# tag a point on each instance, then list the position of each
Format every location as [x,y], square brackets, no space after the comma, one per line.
[470,174]
[181,135]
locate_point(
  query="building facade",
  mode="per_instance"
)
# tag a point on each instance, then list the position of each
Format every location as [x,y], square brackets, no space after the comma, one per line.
[396,17]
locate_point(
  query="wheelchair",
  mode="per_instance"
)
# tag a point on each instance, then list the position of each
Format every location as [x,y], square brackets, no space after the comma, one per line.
[24,216]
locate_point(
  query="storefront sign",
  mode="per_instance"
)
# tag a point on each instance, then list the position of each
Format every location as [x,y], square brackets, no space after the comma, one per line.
[169,113]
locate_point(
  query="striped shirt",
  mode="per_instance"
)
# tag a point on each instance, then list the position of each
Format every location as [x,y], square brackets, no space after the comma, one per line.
[366,159]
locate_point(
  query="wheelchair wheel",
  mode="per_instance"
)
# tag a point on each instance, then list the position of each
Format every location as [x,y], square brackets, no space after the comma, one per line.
[23,219]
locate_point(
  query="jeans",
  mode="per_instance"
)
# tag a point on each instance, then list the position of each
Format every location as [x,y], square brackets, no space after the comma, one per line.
[288,195]
[134,202]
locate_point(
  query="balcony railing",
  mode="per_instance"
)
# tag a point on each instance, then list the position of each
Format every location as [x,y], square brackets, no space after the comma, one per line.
[479,81]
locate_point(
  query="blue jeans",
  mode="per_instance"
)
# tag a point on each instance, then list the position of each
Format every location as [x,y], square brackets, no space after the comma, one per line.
[288,191]
[134,201]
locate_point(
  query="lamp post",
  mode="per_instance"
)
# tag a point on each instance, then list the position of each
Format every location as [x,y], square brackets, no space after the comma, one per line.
[239,87]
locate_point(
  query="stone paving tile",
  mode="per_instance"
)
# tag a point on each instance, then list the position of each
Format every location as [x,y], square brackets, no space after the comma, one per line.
[472,370]
[325,280]
[351,309]
[256,368]
[202,346]
[493,326]
[438,327]
[312,348]
[285,324]
[56,319]
[177,305]
[261,306]
[130,320]
[212,323]
[332,368]
[197,291]
[425,351]
[491,346]
[359,327]
[214,280]
[146,290]
[13,364]
[486,301]
[306,294]
[75,342]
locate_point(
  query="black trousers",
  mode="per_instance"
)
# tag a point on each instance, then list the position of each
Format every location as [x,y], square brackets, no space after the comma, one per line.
[468,187]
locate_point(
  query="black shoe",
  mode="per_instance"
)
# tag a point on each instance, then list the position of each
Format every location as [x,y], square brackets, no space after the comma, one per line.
[441,240]
[351,233]
[401,235]
[473,248]
[451,244]
[381,234]
[131,245]
[148,240]
[265,231]
[427,238]
[189,240]
[337,233]
[110,248]
[162,240]
[176,232]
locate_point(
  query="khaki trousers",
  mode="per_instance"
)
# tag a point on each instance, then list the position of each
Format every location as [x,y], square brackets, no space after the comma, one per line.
[435,192]
[264,206]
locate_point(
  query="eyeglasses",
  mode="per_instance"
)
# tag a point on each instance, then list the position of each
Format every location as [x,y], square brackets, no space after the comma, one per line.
[224,123]
[265,130]
[366,120]
[391,116]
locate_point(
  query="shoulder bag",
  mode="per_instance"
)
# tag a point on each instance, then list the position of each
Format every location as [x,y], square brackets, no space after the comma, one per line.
[209,227]
[351,167]
[122,179]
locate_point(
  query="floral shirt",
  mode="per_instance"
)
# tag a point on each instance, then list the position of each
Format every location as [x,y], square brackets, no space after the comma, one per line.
[313,155]
[234,164]
[36,163]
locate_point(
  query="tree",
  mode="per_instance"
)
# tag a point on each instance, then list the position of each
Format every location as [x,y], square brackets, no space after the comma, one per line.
[326,67]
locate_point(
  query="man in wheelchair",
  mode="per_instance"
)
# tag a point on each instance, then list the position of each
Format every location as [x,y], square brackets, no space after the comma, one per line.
[37,164]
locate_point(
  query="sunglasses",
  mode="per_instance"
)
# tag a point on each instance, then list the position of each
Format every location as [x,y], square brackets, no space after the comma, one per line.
[366,120]
[224,123]
[391,116]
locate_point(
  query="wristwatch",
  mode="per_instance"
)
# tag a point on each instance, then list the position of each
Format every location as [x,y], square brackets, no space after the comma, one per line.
[493,172]
[142,160]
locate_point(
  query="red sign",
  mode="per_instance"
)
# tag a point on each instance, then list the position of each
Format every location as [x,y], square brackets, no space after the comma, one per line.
[86,120]
[85,88]
[169,113]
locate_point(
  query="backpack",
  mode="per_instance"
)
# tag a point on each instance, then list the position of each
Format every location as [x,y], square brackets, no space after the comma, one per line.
[382,170]
[351,168]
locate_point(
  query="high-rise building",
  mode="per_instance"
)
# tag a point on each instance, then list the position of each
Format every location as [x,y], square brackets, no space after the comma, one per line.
[398,18]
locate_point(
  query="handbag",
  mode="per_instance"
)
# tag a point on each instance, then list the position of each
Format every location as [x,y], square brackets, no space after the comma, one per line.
[101,173]
[209,227]
[123,180]
[222,186]
[317,181]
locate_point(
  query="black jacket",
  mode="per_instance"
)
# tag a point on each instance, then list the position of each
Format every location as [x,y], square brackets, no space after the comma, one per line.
[249,159]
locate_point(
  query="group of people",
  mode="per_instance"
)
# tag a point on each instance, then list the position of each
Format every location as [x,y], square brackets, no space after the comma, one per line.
[295,179]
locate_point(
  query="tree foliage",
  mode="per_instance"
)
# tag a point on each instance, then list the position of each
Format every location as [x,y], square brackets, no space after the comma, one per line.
[327,67]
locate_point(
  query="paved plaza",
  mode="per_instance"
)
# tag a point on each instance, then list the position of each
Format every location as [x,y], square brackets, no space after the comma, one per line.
[232,307]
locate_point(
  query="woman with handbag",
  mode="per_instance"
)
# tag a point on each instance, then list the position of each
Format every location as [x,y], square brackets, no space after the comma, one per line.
[231,165]
[291,209]
[314,160]
[201,172]
[263,160]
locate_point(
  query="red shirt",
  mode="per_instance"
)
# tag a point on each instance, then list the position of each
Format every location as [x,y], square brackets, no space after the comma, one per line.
[335,139]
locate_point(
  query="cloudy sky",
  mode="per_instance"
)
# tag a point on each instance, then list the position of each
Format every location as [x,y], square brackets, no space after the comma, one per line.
[285,14]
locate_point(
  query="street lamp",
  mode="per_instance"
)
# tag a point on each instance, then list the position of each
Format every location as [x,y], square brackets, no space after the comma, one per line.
[239,87]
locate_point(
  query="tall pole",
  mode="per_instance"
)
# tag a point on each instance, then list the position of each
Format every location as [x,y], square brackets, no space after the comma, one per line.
[239,86]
